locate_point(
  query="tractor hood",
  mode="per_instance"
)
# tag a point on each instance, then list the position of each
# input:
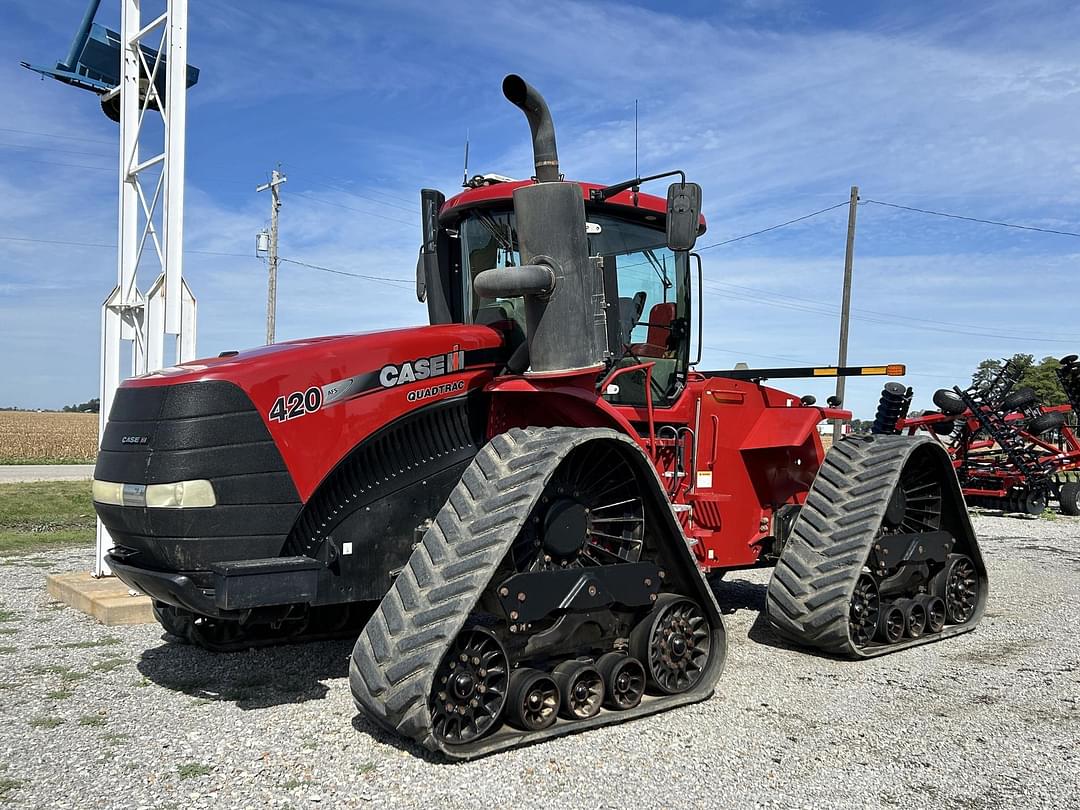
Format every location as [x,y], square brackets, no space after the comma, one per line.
[319,397]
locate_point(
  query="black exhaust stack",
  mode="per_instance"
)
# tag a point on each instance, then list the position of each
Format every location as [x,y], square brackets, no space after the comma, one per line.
[563,288]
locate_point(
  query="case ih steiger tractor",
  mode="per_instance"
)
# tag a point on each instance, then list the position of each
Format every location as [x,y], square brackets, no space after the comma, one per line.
[1010,452]
[517,502]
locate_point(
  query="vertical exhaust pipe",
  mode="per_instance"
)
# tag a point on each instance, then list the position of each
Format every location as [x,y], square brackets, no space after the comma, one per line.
[526,98]
[565,324]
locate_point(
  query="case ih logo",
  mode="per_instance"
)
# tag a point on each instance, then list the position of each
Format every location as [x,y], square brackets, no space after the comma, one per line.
[422,368]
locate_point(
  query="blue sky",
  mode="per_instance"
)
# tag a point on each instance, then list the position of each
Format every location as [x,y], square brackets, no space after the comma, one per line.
[776,107]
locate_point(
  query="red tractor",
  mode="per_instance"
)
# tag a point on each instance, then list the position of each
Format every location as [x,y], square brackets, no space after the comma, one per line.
[514,506]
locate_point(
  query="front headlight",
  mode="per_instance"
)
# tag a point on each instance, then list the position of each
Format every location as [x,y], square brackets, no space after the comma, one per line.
[180,495]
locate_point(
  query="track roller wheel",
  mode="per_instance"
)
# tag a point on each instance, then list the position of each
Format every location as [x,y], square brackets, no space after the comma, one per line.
[673,641]
[582,689]
[958,585]
[534,699]
[470,687]
[624,680]
[1069,498]
[891,629]
[934,606]
[865,610]
[914,617]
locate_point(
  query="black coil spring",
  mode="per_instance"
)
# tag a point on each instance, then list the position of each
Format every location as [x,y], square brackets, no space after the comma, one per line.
[892,407]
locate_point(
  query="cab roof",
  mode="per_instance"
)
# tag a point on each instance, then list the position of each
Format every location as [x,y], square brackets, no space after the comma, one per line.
[649,207]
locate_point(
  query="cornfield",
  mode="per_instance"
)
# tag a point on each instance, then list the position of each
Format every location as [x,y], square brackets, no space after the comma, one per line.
[32,437]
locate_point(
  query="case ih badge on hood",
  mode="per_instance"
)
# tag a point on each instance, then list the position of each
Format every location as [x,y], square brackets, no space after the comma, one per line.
[422,368]
[300,403]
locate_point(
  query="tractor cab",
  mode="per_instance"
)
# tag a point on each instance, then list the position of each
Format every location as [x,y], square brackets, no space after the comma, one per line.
[646,283]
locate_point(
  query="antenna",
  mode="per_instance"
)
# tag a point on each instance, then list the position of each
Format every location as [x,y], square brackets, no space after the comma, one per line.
[465,173]
[635,139]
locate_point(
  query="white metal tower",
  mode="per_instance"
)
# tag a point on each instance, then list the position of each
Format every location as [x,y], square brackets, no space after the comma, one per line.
[151,211]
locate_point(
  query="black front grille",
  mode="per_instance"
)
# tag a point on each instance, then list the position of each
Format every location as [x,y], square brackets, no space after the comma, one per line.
[210,430]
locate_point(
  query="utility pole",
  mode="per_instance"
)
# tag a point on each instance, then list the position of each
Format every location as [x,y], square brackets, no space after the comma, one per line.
[845,308]
[276,179]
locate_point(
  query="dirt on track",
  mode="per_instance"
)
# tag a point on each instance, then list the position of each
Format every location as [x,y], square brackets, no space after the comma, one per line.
[35,437]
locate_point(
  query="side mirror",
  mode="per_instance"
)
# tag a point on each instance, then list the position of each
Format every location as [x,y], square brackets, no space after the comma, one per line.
[683,215]
[430,285]
[421,278]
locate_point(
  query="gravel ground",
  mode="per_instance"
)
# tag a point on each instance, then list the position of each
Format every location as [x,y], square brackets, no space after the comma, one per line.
[115,717]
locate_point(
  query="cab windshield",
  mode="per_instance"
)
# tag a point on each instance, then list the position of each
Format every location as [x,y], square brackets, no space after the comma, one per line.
[646,286]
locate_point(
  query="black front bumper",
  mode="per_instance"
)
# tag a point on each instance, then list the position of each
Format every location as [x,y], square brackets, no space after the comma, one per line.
[236,587]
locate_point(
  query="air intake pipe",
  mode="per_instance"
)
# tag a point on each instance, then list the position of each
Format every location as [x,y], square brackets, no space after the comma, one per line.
[565,323]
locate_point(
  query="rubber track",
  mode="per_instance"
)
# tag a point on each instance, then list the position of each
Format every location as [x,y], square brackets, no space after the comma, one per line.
[395,658]
[809,594]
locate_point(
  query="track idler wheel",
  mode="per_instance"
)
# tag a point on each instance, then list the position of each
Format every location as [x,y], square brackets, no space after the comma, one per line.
[891,629]
[934,607]
[470,687]
[624,680]
[582,689]
[673,641]
[958,585]
[865,610]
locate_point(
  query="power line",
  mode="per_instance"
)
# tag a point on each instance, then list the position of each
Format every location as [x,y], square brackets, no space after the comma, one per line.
[342,189]
[775,227]
[882,321]
[389,280]
[888,315]
[971,219]
[70,165]
[113,247]
[53,149]
[312,198]
[53,135]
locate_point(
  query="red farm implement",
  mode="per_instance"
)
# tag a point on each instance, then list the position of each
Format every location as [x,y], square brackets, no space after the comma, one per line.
[1010,452]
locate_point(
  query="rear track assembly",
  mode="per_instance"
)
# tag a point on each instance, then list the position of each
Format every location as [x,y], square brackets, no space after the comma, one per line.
[882,556]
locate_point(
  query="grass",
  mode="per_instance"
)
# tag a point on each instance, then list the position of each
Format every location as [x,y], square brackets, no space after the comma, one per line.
[8,615]
[67,674]
[8,631]
[190,770]
[109,664]
[8,650]
[91,720]
[7,785]
[36,516]
[46,721]
[366,768]
[59,694]
[108,641]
